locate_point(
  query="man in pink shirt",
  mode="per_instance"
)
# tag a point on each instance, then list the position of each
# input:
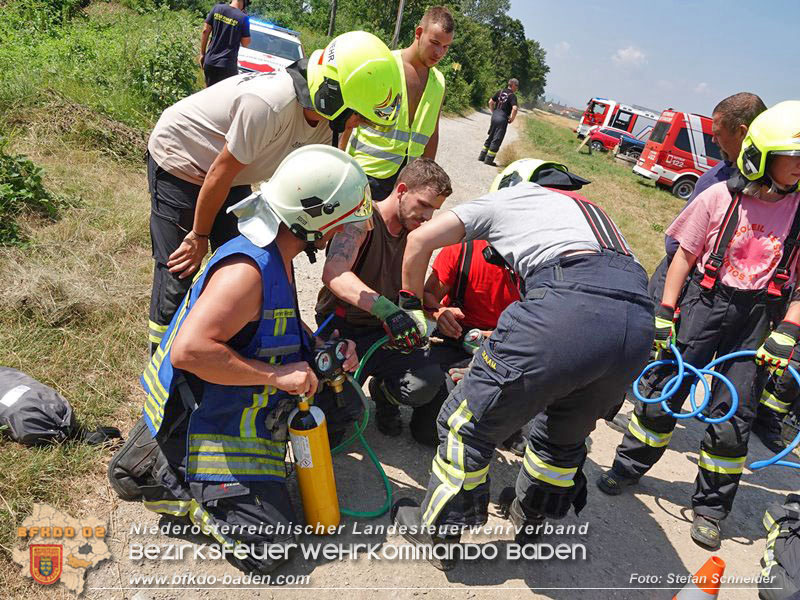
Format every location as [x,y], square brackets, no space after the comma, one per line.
[738,291]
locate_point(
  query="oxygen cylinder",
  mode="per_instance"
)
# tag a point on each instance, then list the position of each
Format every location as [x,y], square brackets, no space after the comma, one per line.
[308,432]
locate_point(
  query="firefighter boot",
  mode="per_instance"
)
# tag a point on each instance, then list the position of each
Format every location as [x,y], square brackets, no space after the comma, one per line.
[612,483]
[490,160]
[387,414]
[130,469]
[407,514]
[515,443]
[482,155]
[527,526]
[705,532]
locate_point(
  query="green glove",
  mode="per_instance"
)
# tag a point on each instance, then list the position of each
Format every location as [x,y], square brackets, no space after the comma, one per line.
[665,328]
[776,351]
[398,324]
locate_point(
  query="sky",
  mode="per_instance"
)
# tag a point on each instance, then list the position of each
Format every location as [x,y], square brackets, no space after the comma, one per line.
[682,54]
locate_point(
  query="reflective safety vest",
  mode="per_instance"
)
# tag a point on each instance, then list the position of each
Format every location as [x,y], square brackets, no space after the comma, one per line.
[380,153]
[230,433]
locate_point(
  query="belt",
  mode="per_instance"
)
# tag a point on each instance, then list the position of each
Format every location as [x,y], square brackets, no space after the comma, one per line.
[731,292]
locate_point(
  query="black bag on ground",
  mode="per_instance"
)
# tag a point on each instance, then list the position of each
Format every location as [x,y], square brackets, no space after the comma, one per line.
[33,414]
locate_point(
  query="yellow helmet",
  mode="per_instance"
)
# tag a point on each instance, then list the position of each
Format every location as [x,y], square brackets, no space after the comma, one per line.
[776,131]
[356,71]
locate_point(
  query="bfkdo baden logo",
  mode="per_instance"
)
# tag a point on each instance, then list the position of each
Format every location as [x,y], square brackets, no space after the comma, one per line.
[60,548]
[46,562]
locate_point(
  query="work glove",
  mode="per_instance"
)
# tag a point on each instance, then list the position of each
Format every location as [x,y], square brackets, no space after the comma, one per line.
[400,326]
[413,308]
[776,351]
[665,328]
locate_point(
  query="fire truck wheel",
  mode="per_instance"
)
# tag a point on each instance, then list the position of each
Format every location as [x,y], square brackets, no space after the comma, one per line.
[683,188]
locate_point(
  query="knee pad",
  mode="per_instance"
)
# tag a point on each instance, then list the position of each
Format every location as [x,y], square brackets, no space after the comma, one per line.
[130,469]
[549,500]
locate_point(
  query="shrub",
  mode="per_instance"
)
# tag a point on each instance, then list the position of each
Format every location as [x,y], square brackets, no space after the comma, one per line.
[166,69]
[21,192]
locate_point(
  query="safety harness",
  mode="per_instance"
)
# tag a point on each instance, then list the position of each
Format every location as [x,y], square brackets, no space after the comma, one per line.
[730,222]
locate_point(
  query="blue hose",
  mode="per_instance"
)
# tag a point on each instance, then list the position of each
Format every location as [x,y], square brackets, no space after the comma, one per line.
[675,381]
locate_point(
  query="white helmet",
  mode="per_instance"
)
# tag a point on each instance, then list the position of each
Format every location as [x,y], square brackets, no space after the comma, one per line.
[314,189]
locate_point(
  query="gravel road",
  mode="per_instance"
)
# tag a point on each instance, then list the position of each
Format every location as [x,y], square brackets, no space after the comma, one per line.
[646,532]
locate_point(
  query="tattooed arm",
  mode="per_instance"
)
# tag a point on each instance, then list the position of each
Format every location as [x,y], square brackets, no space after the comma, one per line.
[337,273]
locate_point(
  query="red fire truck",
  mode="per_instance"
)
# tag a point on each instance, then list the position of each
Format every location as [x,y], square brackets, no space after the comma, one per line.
[602,112]
[679,151]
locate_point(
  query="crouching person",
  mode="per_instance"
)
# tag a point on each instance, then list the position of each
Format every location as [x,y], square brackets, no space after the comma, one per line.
[222,382]
[362,279]
[539,362]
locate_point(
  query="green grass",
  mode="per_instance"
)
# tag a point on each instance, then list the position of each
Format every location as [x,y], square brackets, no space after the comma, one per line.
[640,210]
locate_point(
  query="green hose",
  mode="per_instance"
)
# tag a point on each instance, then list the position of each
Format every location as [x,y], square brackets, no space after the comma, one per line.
[359,435]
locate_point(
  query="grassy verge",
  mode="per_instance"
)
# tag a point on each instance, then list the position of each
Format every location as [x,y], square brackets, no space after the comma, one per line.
[73,314]
[640,210]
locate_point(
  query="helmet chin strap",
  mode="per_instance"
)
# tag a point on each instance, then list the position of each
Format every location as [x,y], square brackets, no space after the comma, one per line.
[311,252]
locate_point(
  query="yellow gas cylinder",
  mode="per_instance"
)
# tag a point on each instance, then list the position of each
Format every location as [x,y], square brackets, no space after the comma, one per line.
[308,432]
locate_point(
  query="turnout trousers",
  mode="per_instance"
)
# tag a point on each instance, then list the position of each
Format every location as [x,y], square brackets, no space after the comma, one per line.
[250,514]
[564,356]
[712,323]
[172,204]
[497,131]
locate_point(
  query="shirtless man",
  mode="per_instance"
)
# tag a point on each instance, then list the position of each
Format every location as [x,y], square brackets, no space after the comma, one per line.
[382,154]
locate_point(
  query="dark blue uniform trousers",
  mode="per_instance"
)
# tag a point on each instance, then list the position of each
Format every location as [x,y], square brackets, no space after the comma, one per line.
[564,355]
[711,323]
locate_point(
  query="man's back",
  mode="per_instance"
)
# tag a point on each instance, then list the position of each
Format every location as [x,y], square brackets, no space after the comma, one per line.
[228,26]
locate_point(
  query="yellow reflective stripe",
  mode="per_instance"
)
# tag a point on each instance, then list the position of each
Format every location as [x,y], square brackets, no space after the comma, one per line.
[153,410]
[538,469]
[455,447]
[155,331]
[647,436]
[768,521]
[721,464]
[176,508]
[772,402]
[151,376]
[475,478]
[247,421]
[249,446]
[202,464]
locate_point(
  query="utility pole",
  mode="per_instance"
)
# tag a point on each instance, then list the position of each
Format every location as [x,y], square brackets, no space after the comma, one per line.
[398,23]
[332,22]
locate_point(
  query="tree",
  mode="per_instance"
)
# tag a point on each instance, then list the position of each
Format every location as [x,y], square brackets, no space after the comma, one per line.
[484,11]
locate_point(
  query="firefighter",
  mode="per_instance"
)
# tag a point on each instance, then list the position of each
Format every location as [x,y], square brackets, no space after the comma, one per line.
[221,384]
[563,356]
[206,150]
[504,110]
[731,118]
[362,278]
[739,288]
[383,154]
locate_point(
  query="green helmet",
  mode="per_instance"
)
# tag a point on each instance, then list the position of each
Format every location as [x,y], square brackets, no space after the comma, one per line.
[776,131]
[356,71]
[524,169]
[314,189]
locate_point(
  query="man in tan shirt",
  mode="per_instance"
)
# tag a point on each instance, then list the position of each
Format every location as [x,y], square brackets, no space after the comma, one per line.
[206,150]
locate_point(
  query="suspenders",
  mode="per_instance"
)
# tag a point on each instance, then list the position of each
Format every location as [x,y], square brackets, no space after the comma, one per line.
[607,234]
[464,262]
